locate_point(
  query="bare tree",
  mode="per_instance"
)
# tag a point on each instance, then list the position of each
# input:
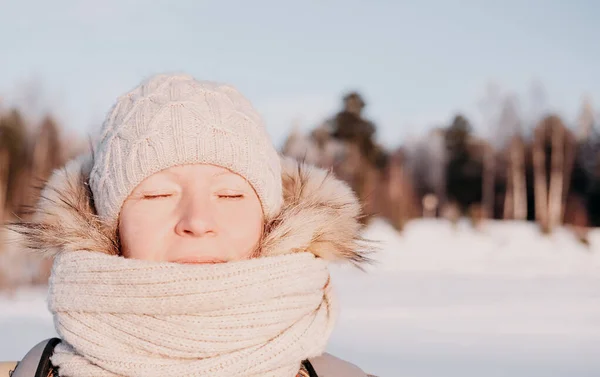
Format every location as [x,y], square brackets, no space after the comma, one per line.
[586,119]
[519,178]
[557,178]
[401,204]
[488,181]
[510,134]
[4,170]
[554,156]
[14,139]
[539,172]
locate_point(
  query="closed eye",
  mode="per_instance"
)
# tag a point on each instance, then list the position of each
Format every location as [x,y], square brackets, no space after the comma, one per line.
[157,196]
[236,196]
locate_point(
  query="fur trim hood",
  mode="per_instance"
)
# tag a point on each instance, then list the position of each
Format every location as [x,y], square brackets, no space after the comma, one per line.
[320,214]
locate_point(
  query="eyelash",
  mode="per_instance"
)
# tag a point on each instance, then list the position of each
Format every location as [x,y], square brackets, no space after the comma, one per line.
[239,196]
[150,197]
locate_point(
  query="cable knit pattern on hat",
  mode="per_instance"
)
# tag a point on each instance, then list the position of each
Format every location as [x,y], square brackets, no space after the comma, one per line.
[173,120]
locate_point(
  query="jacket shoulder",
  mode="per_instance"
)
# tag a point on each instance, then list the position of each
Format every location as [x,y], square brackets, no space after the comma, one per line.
[36,362]
[328,365]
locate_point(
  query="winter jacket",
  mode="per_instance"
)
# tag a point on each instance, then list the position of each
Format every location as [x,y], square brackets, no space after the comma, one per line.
[66,216]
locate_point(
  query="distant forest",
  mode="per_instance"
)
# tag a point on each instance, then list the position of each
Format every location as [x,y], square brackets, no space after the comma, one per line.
[549,175]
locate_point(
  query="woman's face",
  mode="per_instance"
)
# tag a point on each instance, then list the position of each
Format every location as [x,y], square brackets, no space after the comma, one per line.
[191,214]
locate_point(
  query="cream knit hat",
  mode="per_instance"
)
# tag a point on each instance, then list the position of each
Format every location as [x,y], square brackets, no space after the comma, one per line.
[174,120]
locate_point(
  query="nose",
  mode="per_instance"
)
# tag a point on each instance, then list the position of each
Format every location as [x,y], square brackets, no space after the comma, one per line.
[196,217]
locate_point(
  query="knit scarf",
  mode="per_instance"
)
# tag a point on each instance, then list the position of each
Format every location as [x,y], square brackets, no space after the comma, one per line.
[125,317]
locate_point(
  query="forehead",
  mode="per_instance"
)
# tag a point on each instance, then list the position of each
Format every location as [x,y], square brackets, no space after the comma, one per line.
[195,172]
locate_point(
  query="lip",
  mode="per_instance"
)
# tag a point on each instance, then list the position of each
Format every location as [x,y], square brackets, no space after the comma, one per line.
[198,261]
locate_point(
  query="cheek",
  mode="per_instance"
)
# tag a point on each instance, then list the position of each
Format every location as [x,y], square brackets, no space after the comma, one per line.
[141,236]
[244,227]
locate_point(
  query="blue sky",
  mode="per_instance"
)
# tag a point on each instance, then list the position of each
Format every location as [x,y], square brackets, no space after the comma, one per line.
[416,63]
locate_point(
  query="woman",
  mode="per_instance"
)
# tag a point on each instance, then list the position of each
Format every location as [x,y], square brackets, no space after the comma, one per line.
[185,246]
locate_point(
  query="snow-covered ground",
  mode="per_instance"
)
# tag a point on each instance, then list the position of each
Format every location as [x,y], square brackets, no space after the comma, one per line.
[441,301]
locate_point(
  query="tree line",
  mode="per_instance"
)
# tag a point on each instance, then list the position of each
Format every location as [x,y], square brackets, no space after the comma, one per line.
[29,152]
[546,173]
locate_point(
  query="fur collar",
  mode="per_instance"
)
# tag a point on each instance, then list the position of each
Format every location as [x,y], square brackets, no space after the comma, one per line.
[320,215]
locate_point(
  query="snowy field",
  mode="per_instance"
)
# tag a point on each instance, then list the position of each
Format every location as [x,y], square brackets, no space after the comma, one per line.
[441,301]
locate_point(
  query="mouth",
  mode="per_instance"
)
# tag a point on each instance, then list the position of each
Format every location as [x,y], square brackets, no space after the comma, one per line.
[198,261]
